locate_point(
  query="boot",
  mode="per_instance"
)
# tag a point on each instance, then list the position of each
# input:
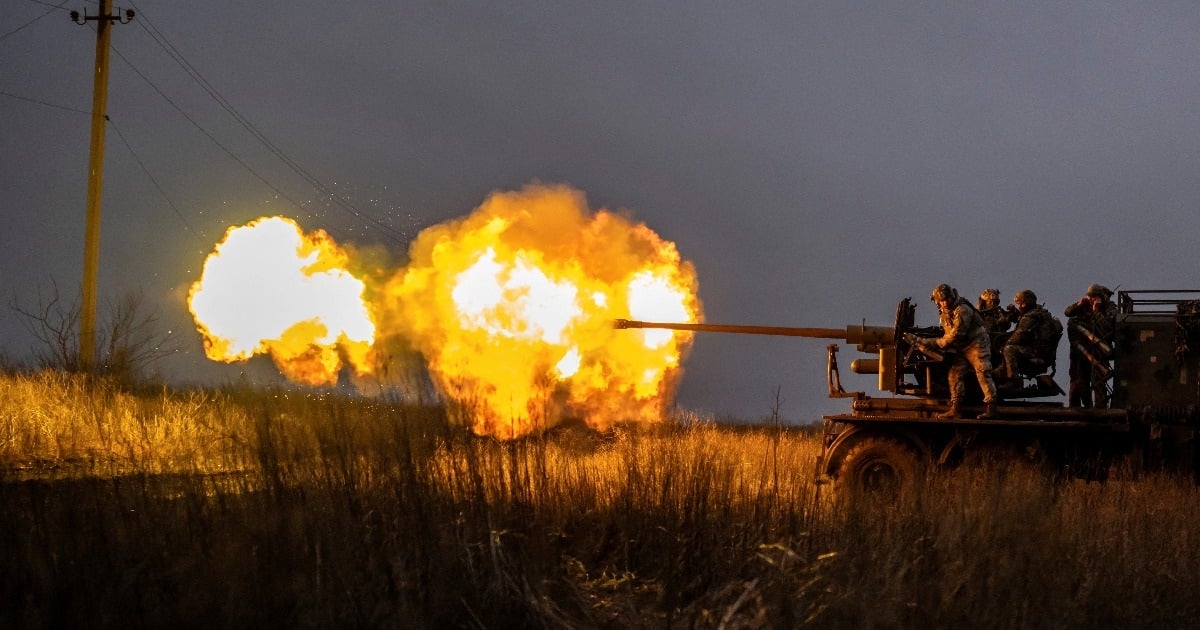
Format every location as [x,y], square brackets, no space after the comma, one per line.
[989,412]
[952,413]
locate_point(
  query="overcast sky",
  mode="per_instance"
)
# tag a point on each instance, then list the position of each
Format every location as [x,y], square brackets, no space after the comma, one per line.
[816,161]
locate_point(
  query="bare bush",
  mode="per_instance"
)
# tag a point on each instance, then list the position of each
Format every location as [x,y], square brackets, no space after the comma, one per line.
[129,337]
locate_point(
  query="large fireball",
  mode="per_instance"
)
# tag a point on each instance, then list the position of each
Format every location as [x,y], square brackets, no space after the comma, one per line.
[511,308]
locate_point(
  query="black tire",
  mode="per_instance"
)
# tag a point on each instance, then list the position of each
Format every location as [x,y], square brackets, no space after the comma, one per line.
[880,467]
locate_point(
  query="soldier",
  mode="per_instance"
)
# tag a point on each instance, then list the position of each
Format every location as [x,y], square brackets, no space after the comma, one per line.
[964,332]
[995,319]
[1092,325]
[1035,339]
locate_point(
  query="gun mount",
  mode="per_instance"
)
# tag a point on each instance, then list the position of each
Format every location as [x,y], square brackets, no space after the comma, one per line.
[885,443]
[903,363]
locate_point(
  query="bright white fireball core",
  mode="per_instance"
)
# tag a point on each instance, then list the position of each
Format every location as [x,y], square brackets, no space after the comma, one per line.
[654,298]
[255,287]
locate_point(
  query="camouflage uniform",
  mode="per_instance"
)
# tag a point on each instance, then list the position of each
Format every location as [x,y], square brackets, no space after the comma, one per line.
[1096,313]
[964,332]
[1031,339]
[995,318]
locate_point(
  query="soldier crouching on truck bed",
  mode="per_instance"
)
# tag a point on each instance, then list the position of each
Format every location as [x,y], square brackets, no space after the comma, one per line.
[1033,343]
[964,332]
[1092,325]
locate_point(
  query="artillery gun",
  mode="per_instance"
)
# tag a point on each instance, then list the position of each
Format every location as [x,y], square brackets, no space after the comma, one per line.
[903,364]
[888,442]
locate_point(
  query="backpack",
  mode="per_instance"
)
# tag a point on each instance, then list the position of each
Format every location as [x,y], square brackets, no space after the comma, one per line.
[1049,334]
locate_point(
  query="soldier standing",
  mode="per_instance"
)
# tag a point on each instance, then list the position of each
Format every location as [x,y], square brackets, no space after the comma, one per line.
[1035,339]
[1092,327]
[963,331]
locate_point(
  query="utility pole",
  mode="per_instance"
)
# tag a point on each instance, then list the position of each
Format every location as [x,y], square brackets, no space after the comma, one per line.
[91,246]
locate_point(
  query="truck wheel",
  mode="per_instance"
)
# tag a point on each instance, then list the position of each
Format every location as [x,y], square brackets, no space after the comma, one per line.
[882,467]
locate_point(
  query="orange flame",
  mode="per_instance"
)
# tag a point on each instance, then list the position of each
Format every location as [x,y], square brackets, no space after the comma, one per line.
[512,309]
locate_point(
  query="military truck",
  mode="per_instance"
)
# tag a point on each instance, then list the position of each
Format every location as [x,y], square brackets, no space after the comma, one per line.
[889,442]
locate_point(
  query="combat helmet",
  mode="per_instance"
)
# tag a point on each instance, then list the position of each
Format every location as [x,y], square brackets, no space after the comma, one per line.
[1025,296]
[943,292]
[1099,290]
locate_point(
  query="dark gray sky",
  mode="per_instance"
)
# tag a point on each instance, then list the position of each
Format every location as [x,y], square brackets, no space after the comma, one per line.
[816,161]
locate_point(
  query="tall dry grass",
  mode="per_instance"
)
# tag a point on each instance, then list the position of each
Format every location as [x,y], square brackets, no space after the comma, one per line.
[240,508]
[57,420]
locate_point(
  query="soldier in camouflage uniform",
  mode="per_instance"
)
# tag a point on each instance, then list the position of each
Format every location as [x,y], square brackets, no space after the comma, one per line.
[1035,339]
[963,331]
[1097,314]
[995,318]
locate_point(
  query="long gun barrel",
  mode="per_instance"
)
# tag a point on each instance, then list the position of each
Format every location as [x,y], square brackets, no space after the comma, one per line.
[860,334]
[881,339]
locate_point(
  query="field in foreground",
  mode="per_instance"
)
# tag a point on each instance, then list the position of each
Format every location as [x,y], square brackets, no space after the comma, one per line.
[243,508]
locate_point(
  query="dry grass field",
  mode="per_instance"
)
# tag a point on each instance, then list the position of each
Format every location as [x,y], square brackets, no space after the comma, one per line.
[238,508]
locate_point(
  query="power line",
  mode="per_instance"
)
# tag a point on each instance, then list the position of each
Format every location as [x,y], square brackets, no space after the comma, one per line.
[154,181]
[145,169]
[212,138]
[396,236]
[52,8]
[39,102]
[141,163]
[204,131]
[157,35]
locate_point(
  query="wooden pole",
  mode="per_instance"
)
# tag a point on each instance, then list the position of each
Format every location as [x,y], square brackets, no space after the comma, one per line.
[91,246]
